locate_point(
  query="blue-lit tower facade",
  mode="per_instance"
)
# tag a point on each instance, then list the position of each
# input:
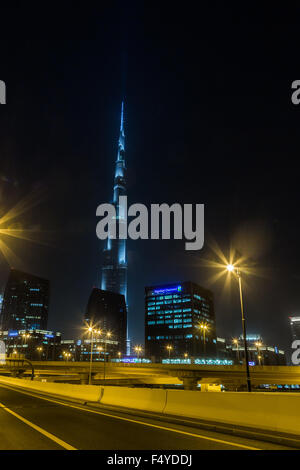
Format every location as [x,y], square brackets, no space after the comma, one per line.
[114,268]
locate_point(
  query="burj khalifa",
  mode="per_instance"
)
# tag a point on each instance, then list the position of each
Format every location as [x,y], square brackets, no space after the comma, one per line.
[114,268]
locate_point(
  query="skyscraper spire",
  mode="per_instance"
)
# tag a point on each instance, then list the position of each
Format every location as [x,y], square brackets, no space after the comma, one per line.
[122,117]
[121,146]
[114,270]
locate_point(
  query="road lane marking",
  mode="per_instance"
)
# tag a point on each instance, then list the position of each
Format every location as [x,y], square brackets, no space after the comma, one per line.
[37,428]
[199,436]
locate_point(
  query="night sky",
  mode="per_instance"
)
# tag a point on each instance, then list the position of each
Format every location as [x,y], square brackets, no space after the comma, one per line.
[208,119]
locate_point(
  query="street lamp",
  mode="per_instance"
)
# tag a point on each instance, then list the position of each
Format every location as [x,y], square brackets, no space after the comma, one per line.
[204,328]
[67,355]
[108,335]
[236,342]
[259,359]
[169,348]
[258,345]
[25,337]
[236,271]
[91,331]
[138,350]
[40,349]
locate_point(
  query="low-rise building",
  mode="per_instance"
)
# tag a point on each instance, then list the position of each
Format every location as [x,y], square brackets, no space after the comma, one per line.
[32,344]
[259,353]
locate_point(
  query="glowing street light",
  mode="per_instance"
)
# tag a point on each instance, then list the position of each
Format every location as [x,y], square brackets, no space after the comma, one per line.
[259,359]
[169,348]
[100,349]
[231,268]
[67,355]
[236,342]
[92,331]
[108,335]
[138,350]
[204,328]
[25,337]
[40,350]
[258,345]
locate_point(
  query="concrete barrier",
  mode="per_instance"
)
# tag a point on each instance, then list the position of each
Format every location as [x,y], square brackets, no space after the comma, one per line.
[138,398]
[80,392]
[278,412]
[268,411]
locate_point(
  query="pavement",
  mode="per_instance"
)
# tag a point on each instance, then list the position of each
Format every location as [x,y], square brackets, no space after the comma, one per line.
[32,422]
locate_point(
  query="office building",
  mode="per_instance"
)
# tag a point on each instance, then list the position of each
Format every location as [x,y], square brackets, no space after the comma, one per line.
[25,302]
[259,353]
[32,344]
[107,310]
[295,327]
[179,321]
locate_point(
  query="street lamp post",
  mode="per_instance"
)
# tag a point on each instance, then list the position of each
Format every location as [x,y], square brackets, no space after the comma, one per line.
[138,350]
[108,335]
[24,341]
[258,345]
[169,348]
[67,355]
[204,328]
[236,341]
[91,331]
[39,349]
[231,268]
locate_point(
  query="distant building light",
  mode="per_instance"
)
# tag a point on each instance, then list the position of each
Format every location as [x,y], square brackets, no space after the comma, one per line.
[198,361]
[13,333]
[221,340]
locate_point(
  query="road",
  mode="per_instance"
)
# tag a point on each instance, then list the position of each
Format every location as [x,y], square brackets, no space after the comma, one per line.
[30,422]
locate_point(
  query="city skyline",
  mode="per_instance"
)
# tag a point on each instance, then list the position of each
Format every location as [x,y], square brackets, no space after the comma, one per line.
[149,231]
[189,135]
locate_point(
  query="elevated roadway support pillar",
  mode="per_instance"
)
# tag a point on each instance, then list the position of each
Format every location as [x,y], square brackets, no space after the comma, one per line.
[190,381]
[84,378]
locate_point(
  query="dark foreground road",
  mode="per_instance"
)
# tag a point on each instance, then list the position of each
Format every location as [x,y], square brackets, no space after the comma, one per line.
[28,422]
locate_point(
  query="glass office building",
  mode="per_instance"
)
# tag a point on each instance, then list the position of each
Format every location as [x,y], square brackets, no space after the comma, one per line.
[108,311]
[173,318]
[25,302]
[295,327]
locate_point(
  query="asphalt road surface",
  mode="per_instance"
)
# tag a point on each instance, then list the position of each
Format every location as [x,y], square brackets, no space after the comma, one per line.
[30,422]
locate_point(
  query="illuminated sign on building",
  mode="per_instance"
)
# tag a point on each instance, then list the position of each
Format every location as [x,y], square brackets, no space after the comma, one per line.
[167,290]
[13,333]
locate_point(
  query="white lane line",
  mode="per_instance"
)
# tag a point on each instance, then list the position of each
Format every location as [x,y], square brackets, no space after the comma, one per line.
[58,441]
[199,436]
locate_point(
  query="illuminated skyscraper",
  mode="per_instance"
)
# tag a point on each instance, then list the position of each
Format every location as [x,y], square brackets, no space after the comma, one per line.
[25,302]
[174,313]
[114,269]
[108,310]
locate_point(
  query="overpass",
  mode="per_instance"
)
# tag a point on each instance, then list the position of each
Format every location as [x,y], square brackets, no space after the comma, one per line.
[190,375]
